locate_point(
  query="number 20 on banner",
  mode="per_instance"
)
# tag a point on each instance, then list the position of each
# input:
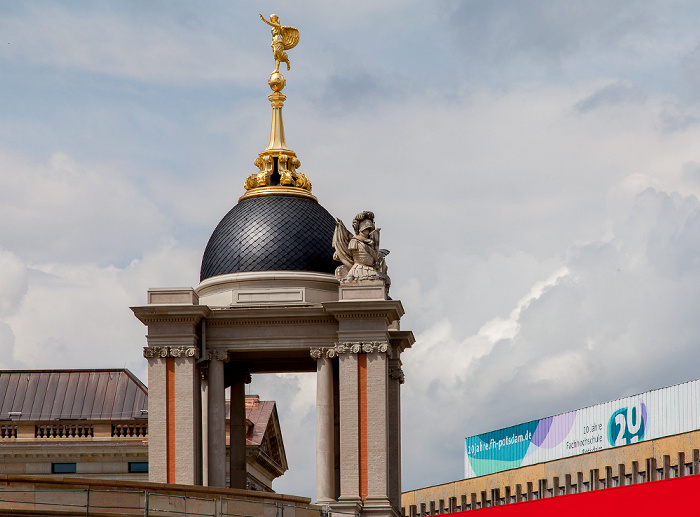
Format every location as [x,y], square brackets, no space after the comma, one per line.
[627,424]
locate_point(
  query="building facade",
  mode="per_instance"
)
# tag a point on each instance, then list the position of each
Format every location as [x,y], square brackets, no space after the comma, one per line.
[646,437]
[653,460]
[94,424]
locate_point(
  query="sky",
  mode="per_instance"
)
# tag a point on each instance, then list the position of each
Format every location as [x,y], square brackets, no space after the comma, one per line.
[533,164]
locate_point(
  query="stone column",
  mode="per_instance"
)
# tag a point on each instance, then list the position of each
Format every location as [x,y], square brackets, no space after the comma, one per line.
[237,449]
[325,432]
[366,400]
[188,459]
[349,432]
[157,417]
[216,453]
[396,378]
[204,402]
[377,427]
[173,317]
[176,418]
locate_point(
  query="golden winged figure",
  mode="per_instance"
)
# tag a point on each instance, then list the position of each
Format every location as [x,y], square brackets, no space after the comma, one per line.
[283,38]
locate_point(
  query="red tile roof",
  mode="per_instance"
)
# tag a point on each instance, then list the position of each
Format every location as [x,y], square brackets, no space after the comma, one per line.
[259,413]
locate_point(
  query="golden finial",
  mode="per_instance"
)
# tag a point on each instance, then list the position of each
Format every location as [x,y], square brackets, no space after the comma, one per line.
[278,164]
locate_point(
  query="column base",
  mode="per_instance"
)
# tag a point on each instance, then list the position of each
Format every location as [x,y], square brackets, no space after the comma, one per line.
[371,508]
[378,507]
[346,507]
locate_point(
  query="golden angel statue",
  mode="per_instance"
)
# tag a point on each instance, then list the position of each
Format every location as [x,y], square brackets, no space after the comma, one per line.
[283,38]
[360,254]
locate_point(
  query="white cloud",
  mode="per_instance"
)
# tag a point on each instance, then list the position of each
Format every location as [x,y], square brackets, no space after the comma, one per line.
[75,212]
[13,279]
[13,288]
[617,319]
[77,315]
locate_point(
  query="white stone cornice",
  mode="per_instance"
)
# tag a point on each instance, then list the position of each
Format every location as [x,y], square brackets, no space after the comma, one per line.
[389,310]
[154,314]
[171,340]
[401,339]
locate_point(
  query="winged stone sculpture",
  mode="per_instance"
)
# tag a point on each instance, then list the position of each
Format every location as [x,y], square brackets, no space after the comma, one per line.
[283,38]
[360,254]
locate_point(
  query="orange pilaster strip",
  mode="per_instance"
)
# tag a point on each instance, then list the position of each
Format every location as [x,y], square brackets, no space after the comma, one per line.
[170,416]
[362,403]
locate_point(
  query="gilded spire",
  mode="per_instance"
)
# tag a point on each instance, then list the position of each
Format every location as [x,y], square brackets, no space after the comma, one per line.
[278,164]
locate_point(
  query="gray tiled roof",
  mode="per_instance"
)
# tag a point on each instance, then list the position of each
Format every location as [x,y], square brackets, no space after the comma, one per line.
[271,233]
[71,395]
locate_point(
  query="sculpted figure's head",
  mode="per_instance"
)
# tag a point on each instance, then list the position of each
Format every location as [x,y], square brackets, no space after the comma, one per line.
[363,222]
[366,226]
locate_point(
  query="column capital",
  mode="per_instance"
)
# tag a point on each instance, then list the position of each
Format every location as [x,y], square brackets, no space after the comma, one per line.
[397,374]
[217,355]
[150,352]
[320,353]
[243,377]
[351,347]
[363,347]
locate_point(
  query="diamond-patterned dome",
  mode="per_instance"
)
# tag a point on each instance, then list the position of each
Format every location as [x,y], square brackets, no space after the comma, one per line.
[269,233]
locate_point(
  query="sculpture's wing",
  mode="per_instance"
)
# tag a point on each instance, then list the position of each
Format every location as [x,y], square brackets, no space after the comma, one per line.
[290,37]
[341,239]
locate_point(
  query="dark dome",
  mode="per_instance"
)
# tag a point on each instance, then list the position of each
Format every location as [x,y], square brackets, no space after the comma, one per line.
[269,233]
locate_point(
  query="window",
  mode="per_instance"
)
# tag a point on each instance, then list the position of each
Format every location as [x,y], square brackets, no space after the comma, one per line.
[138,466]
[63,468]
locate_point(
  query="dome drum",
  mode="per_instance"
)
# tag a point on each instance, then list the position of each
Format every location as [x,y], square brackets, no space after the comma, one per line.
[268,288]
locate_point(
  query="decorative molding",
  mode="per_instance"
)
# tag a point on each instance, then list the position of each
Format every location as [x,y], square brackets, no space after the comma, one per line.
[318,353]
[363,347]
[149,319]
[358,347]
[268,322]
[397,373]
[184,351]
[217,355]
[360,315]
[150,352]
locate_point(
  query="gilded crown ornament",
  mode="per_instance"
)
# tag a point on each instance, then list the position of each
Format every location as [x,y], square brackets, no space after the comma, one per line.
[277,164]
